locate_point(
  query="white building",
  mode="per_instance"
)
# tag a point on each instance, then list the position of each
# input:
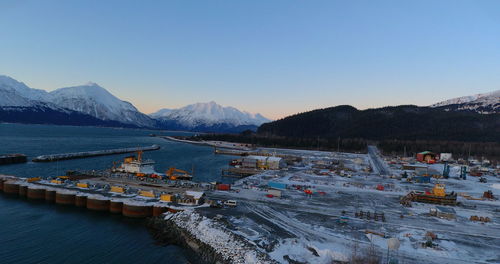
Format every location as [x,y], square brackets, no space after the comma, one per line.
[263,162]
[445,156]
[196,197]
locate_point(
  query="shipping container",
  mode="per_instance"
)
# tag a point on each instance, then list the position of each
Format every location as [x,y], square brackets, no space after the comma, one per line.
[223,187]
[277,185]
[423,179]
[274,192]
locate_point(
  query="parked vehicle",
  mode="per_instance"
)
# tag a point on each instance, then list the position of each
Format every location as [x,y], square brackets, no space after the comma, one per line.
[230,203]
[216,204]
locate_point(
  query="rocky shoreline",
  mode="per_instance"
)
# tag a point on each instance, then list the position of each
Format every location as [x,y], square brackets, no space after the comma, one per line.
[209,240]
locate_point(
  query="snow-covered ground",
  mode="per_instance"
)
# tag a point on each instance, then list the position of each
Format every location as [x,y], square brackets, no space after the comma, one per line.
[233,248]
[323,227]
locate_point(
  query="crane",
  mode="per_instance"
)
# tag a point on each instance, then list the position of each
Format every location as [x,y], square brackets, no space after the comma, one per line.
[177,174]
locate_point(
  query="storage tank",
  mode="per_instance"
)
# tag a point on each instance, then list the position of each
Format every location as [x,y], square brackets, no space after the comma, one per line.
[11,187]
[35,193]
[81,200]
[116,206]
[23,189]
[159,209]
[65,197]
[137,209]
[50,195]
[98,203]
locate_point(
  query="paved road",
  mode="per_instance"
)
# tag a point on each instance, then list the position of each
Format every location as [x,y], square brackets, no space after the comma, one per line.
[377,160]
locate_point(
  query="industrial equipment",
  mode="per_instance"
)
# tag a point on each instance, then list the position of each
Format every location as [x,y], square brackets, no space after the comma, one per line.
[177,174]
[437,196]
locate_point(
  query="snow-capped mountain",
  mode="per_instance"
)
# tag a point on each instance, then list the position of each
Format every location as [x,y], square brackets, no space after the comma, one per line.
[94,105]
[161,113]
[8,83]
[96,101]
[486,103]
[14,93]
[90,99]
[209,117]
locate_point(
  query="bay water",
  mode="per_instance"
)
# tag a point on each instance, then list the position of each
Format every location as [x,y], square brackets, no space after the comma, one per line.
[38,232]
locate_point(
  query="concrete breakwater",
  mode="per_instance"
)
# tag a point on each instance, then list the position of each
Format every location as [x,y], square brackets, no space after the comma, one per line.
[12,158]
[78,155]
[127,207]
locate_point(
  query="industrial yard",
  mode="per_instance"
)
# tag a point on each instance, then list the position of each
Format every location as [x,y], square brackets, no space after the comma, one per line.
[319,210]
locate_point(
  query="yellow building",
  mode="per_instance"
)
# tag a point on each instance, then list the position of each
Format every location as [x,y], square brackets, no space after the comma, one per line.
[56,181]
[117,189]
[149,194]
[82,185]
[167,197]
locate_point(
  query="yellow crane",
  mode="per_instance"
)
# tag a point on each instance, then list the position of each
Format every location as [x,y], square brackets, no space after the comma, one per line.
[177,174]
[439,190]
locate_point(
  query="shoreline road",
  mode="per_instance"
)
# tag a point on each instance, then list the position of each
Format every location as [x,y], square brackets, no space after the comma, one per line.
[377,160]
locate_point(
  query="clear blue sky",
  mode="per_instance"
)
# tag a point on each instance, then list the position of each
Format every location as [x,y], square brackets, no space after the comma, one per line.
[269,56]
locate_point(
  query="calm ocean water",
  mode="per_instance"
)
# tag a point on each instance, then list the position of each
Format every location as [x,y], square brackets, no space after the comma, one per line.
[36,232]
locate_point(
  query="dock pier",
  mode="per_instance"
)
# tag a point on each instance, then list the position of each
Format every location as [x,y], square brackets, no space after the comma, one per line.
[12,159]
[86,154]
[239,172]
[89,199]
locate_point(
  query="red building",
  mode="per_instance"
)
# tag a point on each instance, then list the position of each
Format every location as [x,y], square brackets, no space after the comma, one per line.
[426,156]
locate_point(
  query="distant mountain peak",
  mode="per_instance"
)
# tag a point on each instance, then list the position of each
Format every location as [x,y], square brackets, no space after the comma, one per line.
[18,93]
[90,99]
[95,100]
[484,103]
[91,84]
[208,114]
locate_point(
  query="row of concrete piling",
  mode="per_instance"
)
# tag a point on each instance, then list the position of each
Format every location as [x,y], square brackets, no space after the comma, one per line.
[96,202]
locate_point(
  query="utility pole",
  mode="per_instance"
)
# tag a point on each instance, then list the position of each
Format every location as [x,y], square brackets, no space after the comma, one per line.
[338,144]
[468,158]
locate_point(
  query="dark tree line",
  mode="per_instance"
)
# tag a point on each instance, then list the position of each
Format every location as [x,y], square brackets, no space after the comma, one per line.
[392,128]
[398,122]
[490,150]
[318,143]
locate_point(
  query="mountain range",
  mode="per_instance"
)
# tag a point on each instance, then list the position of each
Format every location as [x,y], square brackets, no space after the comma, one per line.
[208,117]
[91,104]
[486,103]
